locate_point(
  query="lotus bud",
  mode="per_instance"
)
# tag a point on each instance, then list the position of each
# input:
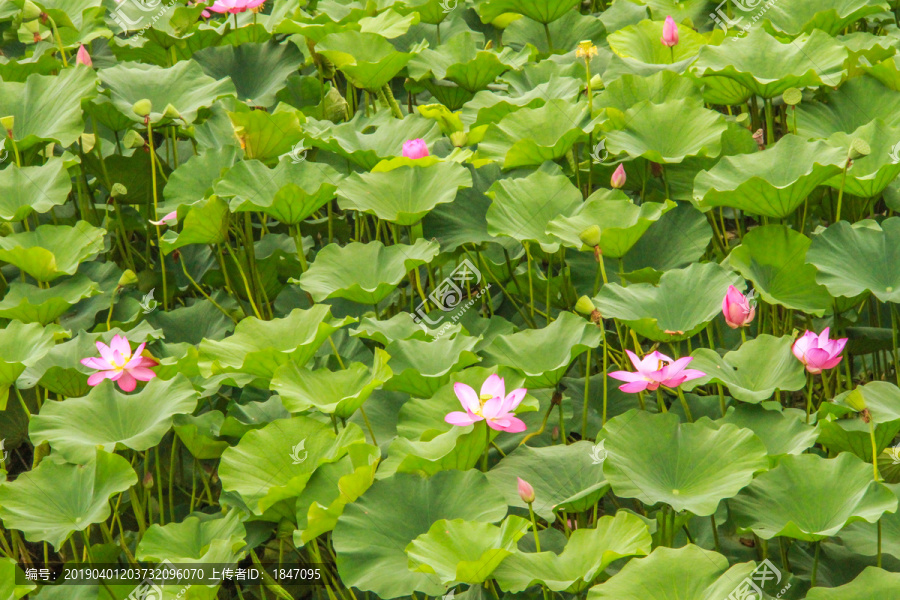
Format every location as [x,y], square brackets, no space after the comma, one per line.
[30,10]
[597,82]
[142,107]
[617,181]
[858,149]
[172,113]
[83,57]
[118,190]
[591,236]
[459,138]
[127,278]
[415,149]
[738,309]
[584,306]
[856,401]
[147,482]
[8,124]
[133,139]
[526,492]
[670,32]
[32,27]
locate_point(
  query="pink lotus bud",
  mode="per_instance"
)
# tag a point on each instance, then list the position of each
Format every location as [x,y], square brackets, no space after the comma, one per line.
[414,149]
[737,308]
[83,57]
[617,181]
[526,492]
[670,32]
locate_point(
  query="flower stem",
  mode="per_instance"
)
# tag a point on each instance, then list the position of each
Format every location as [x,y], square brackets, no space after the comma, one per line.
[587,386]
[684,405]
[487,448]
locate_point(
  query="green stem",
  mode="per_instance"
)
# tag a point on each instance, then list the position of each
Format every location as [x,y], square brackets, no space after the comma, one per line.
[162,257]
[684,405]
[387,96]
[770,122]
[815,566]
[549,39]
[587,385]
[837,216]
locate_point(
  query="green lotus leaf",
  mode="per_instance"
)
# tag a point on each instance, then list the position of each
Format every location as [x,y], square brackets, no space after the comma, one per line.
[31,304]
[772,183]
[398,327]
[668,133]
[843,429]
[544,355]
[274,463]
[459,448]
[392,24]
[184,86]
[531,136]
[680,306]
[259,347]
[490,107]
[339,393]
[783,432]
[290,192]
[773,258]
[47,108]
[33,189]
[206,222]
[109,419]
[684,232]
[521,208]
[689,466]
[51,251]
[56,499]
[855,103]
[565,32]
[9,574]
[200,434]
[404,195]
[258,71]
[21,346]
[542,11]
[199,539]
[372,534]
[812,61]
[563,477]
[459,551]
[869,175]
[621,223]
[265,136]
[461,61]
[853,259]
[810,498]
[640,42]
[194,178]
[754,371]
[364,273]
[587,554]
[871,583]
[421,367]
[695,10]
[367,59]
[862,537]
[687,573]
[808,15]
[628,90]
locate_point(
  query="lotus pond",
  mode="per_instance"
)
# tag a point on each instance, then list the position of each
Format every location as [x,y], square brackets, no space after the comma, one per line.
[474,299]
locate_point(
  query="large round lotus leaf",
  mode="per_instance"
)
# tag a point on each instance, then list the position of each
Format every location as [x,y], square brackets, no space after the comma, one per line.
[621,223]
[864,256]
[811,62]
[372,535]
[461,551]
[843,428]
[542,11]
[681,305]
[109,419]
[587,554]
[56,499]
[275,462]
[290,192]
[51,251]
[689,466]
[773,257]
[641,43]
[544,355]
[772,183]
[10,573]
[669,132]
[184,86]
[339,393]
[197,539]
[688,573]
[47,108]
[260,347]
[367,59]
[206,222]
[754,371]
[783,432]
[807,15]
[258,71]
[862,537]
[869,175]
[521,208]
[460,448]
[463,62]
[421,367]
[565,32]
[405,194]
[364,273]
[871,583]
[266,136]
[31,304]
[490,107]
[684,232]
[856,103]
[628,90]
[564,477]
[21,346]
[531,136]
[28,190]
[810,498]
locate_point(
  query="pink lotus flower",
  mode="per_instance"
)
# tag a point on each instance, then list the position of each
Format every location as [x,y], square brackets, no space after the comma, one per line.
[83,57]
[526,492]
[617,181]
[233,6]
[737,308]
[414,149]
[492,406]
[169,219]
[118,364]
[670,32]
[654,370]
[817,352]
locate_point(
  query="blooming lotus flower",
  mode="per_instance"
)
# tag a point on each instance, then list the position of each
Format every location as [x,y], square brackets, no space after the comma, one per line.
[737,308]
[526,492]
[654,370]
[416,148]
[670,32]
[617,181]
[233,6]
[492,405]
[118,364]
[817,352]
[83,57]
[169,219]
